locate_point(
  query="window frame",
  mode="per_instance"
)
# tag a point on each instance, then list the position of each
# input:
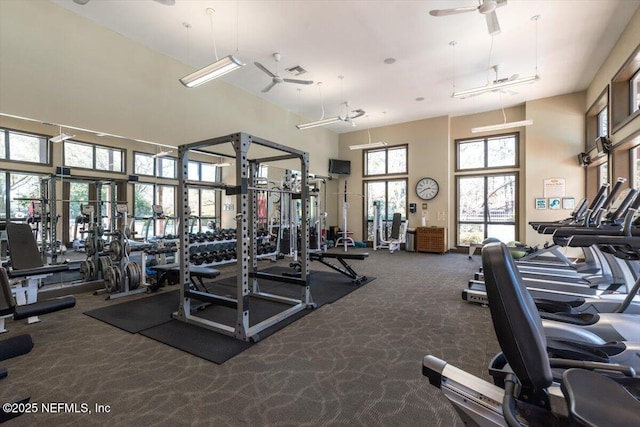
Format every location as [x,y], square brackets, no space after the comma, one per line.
[217,170]
[634,93]
[622,112]
[365,169]
[135,158]
[486,220]
[485,140]
[47,149]
[599,116]
[93,146]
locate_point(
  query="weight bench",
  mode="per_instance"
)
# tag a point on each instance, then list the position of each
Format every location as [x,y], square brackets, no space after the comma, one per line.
[341,257]
[170,273]
[26,266]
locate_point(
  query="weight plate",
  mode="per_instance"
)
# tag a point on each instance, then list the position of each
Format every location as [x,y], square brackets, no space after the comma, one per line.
[85,270]
[116,250]
[99,230]
[89,247]
[99,245]
[110,280]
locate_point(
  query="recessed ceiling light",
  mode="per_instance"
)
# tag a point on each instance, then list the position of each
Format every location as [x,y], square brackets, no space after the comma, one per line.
[390,60]
[420,98]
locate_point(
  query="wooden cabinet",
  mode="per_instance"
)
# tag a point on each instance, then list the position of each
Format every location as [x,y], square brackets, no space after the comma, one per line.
[431,239]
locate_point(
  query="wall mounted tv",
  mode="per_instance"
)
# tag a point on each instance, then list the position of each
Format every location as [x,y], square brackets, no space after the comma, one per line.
[340,167]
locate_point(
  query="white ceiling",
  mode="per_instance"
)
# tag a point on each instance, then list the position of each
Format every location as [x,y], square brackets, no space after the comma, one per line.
[331,38]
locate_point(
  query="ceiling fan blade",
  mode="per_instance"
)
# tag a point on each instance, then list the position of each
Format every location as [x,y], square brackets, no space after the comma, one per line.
[454,11]
[300,82]
[500,3]
[513,77]
[263,68]
[492,23]
[269,86]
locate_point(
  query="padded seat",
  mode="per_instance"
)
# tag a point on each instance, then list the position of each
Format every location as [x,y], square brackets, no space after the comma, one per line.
[590,397]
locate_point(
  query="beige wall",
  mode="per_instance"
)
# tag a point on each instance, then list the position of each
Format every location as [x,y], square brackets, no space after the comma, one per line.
[429,155]
[551,149]
[60,68]
[548,149]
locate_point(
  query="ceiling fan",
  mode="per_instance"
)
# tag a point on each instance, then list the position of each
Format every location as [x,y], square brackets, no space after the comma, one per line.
[275,78]
[164,2]
[485,7]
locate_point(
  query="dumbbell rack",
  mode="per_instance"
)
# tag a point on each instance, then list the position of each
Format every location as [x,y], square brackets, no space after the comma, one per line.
[211,252]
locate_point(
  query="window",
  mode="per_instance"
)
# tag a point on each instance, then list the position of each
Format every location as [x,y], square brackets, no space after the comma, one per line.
[143,164]
[603,122]
[634,154]
[486,208]
[392,195]
[625,92]
[495,152]
[108,159]
[167,167]
[199,171]
[486,203]
[3,145]
[3,196]
[385,161]
[78,196]
[23,147]
[143,199]
[193,171]
[24,188]
[603,173]
[635,92]
[89,156]
[208,172]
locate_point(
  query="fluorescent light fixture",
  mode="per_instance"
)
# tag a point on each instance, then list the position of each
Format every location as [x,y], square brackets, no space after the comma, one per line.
[368,145]
[319,123]
[222,165]
[212,71]
[502,126]
[495,86]
[61,137]
[349,119]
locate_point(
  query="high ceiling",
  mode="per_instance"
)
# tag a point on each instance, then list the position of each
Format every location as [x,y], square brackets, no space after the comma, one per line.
[332,38]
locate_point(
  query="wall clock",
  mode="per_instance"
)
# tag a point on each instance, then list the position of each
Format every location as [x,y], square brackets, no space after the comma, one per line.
[427,188]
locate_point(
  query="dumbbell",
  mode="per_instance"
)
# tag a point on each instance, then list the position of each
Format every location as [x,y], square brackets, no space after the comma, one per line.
[209,257]
[232,253]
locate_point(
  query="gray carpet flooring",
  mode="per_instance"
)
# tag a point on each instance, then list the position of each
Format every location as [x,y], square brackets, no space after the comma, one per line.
[356,361]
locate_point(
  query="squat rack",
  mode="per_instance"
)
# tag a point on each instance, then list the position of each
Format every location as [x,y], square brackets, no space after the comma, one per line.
[247,273]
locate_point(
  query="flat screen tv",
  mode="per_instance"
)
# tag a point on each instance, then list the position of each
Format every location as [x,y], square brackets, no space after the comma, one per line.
[339,167]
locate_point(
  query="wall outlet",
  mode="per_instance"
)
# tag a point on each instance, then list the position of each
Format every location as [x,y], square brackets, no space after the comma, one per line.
[441,216]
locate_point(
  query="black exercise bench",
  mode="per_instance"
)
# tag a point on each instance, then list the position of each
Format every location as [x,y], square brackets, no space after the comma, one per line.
[170,274]
[341,257]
